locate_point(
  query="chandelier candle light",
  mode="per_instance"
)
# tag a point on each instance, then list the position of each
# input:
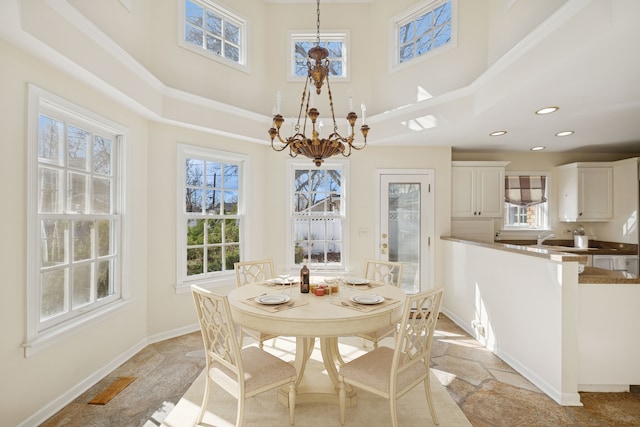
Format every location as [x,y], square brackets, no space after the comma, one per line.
[317,148]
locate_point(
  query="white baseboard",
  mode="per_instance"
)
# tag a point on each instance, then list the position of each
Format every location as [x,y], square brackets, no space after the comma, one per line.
[56,405]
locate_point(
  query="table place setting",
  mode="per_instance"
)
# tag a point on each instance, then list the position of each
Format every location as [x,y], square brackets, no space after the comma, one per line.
[274,303]
[281,283]
[365,302]
[359,282]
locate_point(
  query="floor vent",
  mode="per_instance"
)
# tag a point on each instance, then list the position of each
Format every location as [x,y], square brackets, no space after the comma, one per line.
[112,391]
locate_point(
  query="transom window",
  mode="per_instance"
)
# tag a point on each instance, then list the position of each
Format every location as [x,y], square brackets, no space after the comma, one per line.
[318,216]
[526,206]
[74,191]
[211,213]
[335,43]
[213,30]
[423,31]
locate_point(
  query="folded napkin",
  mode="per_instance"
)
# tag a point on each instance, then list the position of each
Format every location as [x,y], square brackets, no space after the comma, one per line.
[274,308]
[365,308]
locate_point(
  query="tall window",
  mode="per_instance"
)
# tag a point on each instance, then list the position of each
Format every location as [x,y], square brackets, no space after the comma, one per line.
[214,31]
[74,191]
[210,213]
[526,205]
[319,215]
[336,44]
[424,30]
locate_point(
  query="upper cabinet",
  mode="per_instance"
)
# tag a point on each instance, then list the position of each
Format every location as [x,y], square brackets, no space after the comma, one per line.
[585,192]
[477,189]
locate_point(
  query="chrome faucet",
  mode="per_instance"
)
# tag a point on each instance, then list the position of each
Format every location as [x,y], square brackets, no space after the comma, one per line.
[541,238]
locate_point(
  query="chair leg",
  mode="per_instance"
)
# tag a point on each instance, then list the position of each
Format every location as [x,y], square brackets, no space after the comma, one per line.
[432,408]
[240,411]
[342,394]
[393,409]
[205,399]
[292,400]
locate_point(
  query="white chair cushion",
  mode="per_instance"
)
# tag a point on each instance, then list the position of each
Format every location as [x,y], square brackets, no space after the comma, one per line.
[373,369]
[260,369]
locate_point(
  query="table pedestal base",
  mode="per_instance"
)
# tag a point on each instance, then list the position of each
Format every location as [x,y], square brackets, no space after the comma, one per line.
[316,387]
[317,382]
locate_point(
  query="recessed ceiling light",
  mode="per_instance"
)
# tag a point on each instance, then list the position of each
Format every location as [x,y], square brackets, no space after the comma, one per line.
[565,133]
[538,148]
[547,110]
[498,133]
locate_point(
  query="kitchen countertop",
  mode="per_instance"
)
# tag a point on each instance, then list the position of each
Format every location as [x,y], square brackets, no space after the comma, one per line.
[596,247]
[591,275]
[600,275]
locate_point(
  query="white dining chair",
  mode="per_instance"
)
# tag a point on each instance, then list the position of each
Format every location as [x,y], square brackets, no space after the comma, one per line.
[251,272]
[243,373]
[392,372]
[389,273]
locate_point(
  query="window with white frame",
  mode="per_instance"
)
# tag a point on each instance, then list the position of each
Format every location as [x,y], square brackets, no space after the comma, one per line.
[318,215]
[208,28]
[526,206]
[75,241]
[423,30]
[335,43]
[210,216]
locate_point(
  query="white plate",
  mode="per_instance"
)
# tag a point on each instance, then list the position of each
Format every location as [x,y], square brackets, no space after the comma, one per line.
[281,281]
[357,281]
[367,299]
[272,299]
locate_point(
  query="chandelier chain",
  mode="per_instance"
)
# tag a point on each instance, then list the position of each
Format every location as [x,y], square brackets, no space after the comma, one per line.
[318,23]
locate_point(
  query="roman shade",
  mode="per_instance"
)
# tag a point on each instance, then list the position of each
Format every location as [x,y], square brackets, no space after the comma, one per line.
[525,190]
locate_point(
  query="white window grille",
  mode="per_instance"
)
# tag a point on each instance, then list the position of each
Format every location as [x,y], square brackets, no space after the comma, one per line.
[318,216]
[75,216]
[209,29]
[335,43]
[424,30]
[211,213]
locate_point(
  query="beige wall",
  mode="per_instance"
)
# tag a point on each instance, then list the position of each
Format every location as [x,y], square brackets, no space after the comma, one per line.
[30,384]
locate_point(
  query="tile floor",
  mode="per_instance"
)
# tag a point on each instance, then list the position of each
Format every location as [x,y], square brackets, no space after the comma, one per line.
[489,392]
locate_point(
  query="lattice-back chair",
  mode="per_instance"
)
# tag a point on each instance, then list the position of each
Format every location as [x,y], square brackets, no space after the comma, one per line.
[240,372]
[391,373]
[251,272]
[384,272]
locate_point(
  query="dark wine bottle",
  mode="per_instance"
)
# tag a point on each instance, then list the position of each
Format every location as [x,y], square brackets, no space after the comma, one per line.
[304,280]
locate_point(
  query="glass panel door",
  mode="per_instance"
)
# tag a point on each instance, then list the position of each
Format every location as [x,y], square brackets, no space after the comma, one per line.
[405,227]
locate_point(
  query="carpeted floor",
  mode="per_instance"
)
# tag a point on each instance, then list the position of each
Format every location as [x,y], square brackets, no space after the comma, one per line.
[265,410]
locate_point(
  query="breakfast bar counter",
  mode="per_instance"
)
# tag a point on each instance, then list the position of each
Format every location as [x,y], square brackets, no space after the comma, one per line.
[563,254]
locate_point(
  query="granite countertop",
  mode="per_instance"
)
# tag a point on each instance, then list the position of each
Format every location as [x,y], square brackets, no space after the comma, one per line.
[562,251]
[600,275]
[596,247]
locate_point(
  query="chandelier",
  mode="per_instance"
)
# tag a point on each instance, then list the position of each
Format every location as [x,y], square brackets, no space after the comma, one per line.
[316,147]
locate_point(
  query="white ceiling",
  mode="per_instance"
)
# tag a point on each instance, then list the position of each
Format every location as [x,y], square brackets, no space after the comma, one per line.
[591,74]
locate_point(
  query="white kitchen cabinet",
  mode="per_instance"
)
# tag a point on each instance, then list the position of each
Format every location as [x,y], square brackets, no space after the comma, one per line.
[585,192]
[477,189]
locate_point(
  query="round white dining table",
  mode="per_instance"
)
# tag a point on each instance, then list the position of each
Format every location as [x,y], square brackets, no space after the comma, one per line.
[312,317]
